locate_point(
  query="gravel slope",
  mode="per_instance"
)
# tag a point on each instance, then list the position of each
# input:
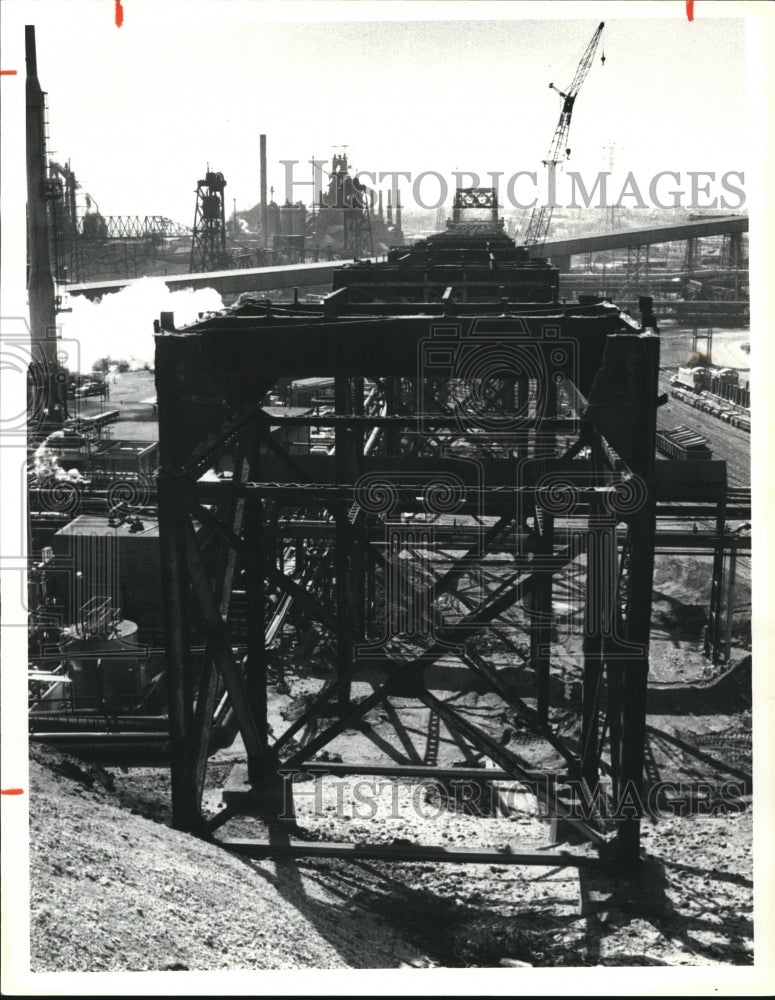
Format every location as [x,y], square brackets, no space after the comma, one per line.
[114,890]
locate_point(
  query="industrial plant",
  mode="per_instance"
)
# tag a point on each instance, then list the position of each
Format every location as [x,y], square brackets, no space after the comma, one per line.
[457,514]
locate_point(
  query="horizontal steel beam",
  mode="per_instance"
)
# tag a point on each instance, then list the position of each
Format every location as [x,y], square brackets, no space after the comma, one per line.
[464,536]
[342,492]
[406,852]
[238,789]
[236,350]
[337,768]
[422,420]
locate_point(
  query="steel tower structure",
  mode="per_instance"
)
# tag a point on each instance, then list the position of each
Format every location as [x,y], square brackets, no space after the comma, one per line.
[208,242]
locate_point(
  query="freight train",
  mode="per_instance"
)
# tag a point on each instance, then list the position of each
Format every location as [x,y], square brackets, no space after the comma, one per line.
[699,379]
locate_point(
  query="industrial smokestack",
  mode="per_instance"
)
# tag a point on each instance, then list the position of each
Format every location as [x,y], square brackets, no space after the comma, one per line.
[41,283]
[390,209]
[264,233]
[48,402]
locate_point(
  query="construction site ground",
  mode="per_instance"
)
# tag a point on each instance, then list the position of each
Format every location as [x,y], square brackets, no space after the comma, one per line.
[115,888]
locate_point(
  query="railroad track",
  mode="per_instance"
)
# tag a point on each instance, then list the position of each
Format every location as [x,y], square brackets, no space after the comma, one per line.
[728,443]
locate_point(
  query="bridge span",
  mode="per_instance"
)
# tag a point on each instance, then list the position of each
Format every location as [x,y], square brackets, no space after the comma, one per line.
[264,279]
[257,279]
[560,251]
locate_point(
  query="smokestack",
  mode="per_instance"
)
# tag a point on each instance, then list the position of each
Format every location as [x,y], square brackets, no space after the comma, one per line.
[398,211]
[390,209]
[41,283]
[48,401]
[264,233]
[379,211]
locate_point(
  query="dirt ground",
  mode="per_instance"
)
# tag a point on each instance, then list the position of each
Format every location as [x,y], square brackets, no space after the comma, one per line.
[112,889]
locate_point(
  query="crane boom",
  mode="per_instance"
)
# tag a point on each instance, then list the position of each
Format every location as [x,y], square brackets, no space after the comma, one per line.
[542,215]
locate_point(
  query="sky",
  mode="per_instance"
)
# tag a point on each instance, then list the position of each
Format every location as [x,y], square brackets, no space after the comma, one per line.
[141,110]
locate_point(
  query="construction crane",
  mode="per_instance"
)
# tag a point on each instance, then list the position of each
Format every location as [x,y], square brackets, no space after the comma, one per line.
[542,215]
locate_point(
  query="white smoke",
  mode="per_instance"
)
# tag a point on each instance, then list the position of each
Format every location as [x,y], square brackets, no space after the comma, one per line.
[120,326]
[46,463]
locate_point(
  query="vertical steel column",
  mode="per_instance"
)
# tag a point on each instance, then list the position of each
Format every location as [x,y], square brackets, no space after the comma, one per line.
[359,563]
[300,558]
[540,627]
[180,699]
[393,400]
[614,665]
[692,256]
[509,403]
[541,630]
[41,282]
[344,602]
[255,559]
[522,390]
[263,184]
[371,596]
[713,630]
[594,611]
[209,679]
[730,600]
[175,588]
[635,685]
[641,576]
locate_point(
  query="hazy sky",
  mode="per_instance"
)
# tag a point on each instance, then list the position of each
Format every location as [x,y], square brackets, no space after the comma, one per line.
[140,110]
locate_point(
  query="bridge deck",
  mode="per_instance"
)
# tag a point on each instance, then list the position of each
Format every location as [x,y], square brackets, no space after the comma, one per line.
[653,234]
[258,279]
[262,279]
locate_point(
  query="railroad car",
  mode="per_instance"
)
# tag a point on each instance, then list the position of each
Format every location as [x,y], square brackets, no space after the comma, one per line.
[684,444]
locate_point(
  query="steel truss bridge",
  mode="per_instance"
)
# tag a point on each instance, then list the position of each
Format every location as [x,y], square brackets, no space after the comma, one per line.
[122,227]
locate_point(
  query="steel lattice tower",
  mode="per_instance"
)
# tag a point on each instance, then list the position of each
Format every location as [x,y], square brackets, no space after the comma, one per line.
[208,243]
